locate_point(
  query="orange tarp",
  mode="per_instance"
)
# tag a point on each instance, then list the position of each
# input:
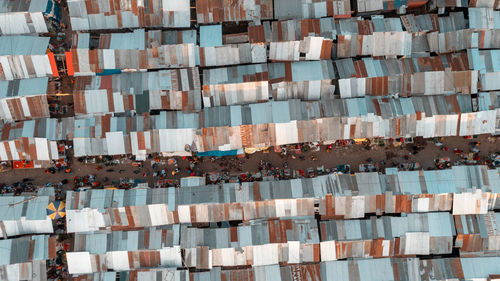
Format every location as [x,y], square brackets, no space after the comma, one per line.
[69,63]
[23,164]
[53,65]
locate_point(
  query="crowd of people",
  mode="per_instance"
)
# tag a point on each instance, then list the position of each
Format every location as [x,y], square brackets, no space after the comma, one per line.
[16,188]
[57,269]
[275,163]
[470,157]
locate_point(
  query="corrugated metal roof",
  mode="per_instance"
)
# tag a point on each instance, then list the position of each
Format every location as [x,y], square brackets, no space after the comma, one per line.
[484,18]
[408,269]
[25,66]
[232,54]
[480,267]
[140,92]
[292,30]
[92,62]
[154,238]
[101,15]
[484,60]
[22,22]
[8,6]
[211,35]
[302,9]
[439,227]
[235,74]
[376,44]
[33,209]
[25,87]
[19,250]
[363,270]
[487,101]
[437,109]
[370,67]
[233,94]
[213,11]
[192,181]
[311,70]
[455,21]
[23,45]
[463,39]
[404,181]
[125,41]
[490,81]
[176,36]
[259,232]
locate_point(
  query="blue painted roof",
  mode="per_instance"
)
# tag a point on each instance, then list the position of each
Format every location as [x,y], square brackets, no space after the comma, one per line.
[41,244]
[335,270]
[375,270]
[23,87]
[128,41]
[188,36]
[211,35]
[441,224]
[307,70]
[479,17]
[23,45]
[281,112]
[261,113]
[440,181]
[83,40]
[409,182]
[5,251]
[480,267]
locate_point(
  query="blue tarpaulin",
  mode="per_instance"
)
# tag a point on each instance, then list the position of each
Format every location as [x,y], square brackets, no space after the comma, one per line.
[218,153]
[53,11]
[109,72]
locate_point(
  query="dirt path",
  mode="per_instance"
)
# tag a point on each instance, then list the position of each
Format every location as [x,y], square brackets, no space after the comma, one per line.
[353,155]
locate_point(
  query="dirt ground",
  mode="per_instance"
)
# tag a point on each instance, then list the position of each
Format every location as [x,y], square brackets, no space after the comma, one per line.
[353,155]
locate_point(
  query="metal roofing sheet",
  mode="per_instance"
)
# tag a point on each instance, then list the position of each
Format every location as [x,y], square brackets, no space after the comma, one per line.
[83,40]
[23,45]
[36,208]
[24,87]
[211,35]
[5,251]
[106,16]
[375,270]
[7,6]
[281,112]
[441,224]
[211,11]
[261,113]
[186,36]
[132,41]
[439,181]
[285,9]
[410,182]
[484,18]
[310,70]
[335,270]
[480,267]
